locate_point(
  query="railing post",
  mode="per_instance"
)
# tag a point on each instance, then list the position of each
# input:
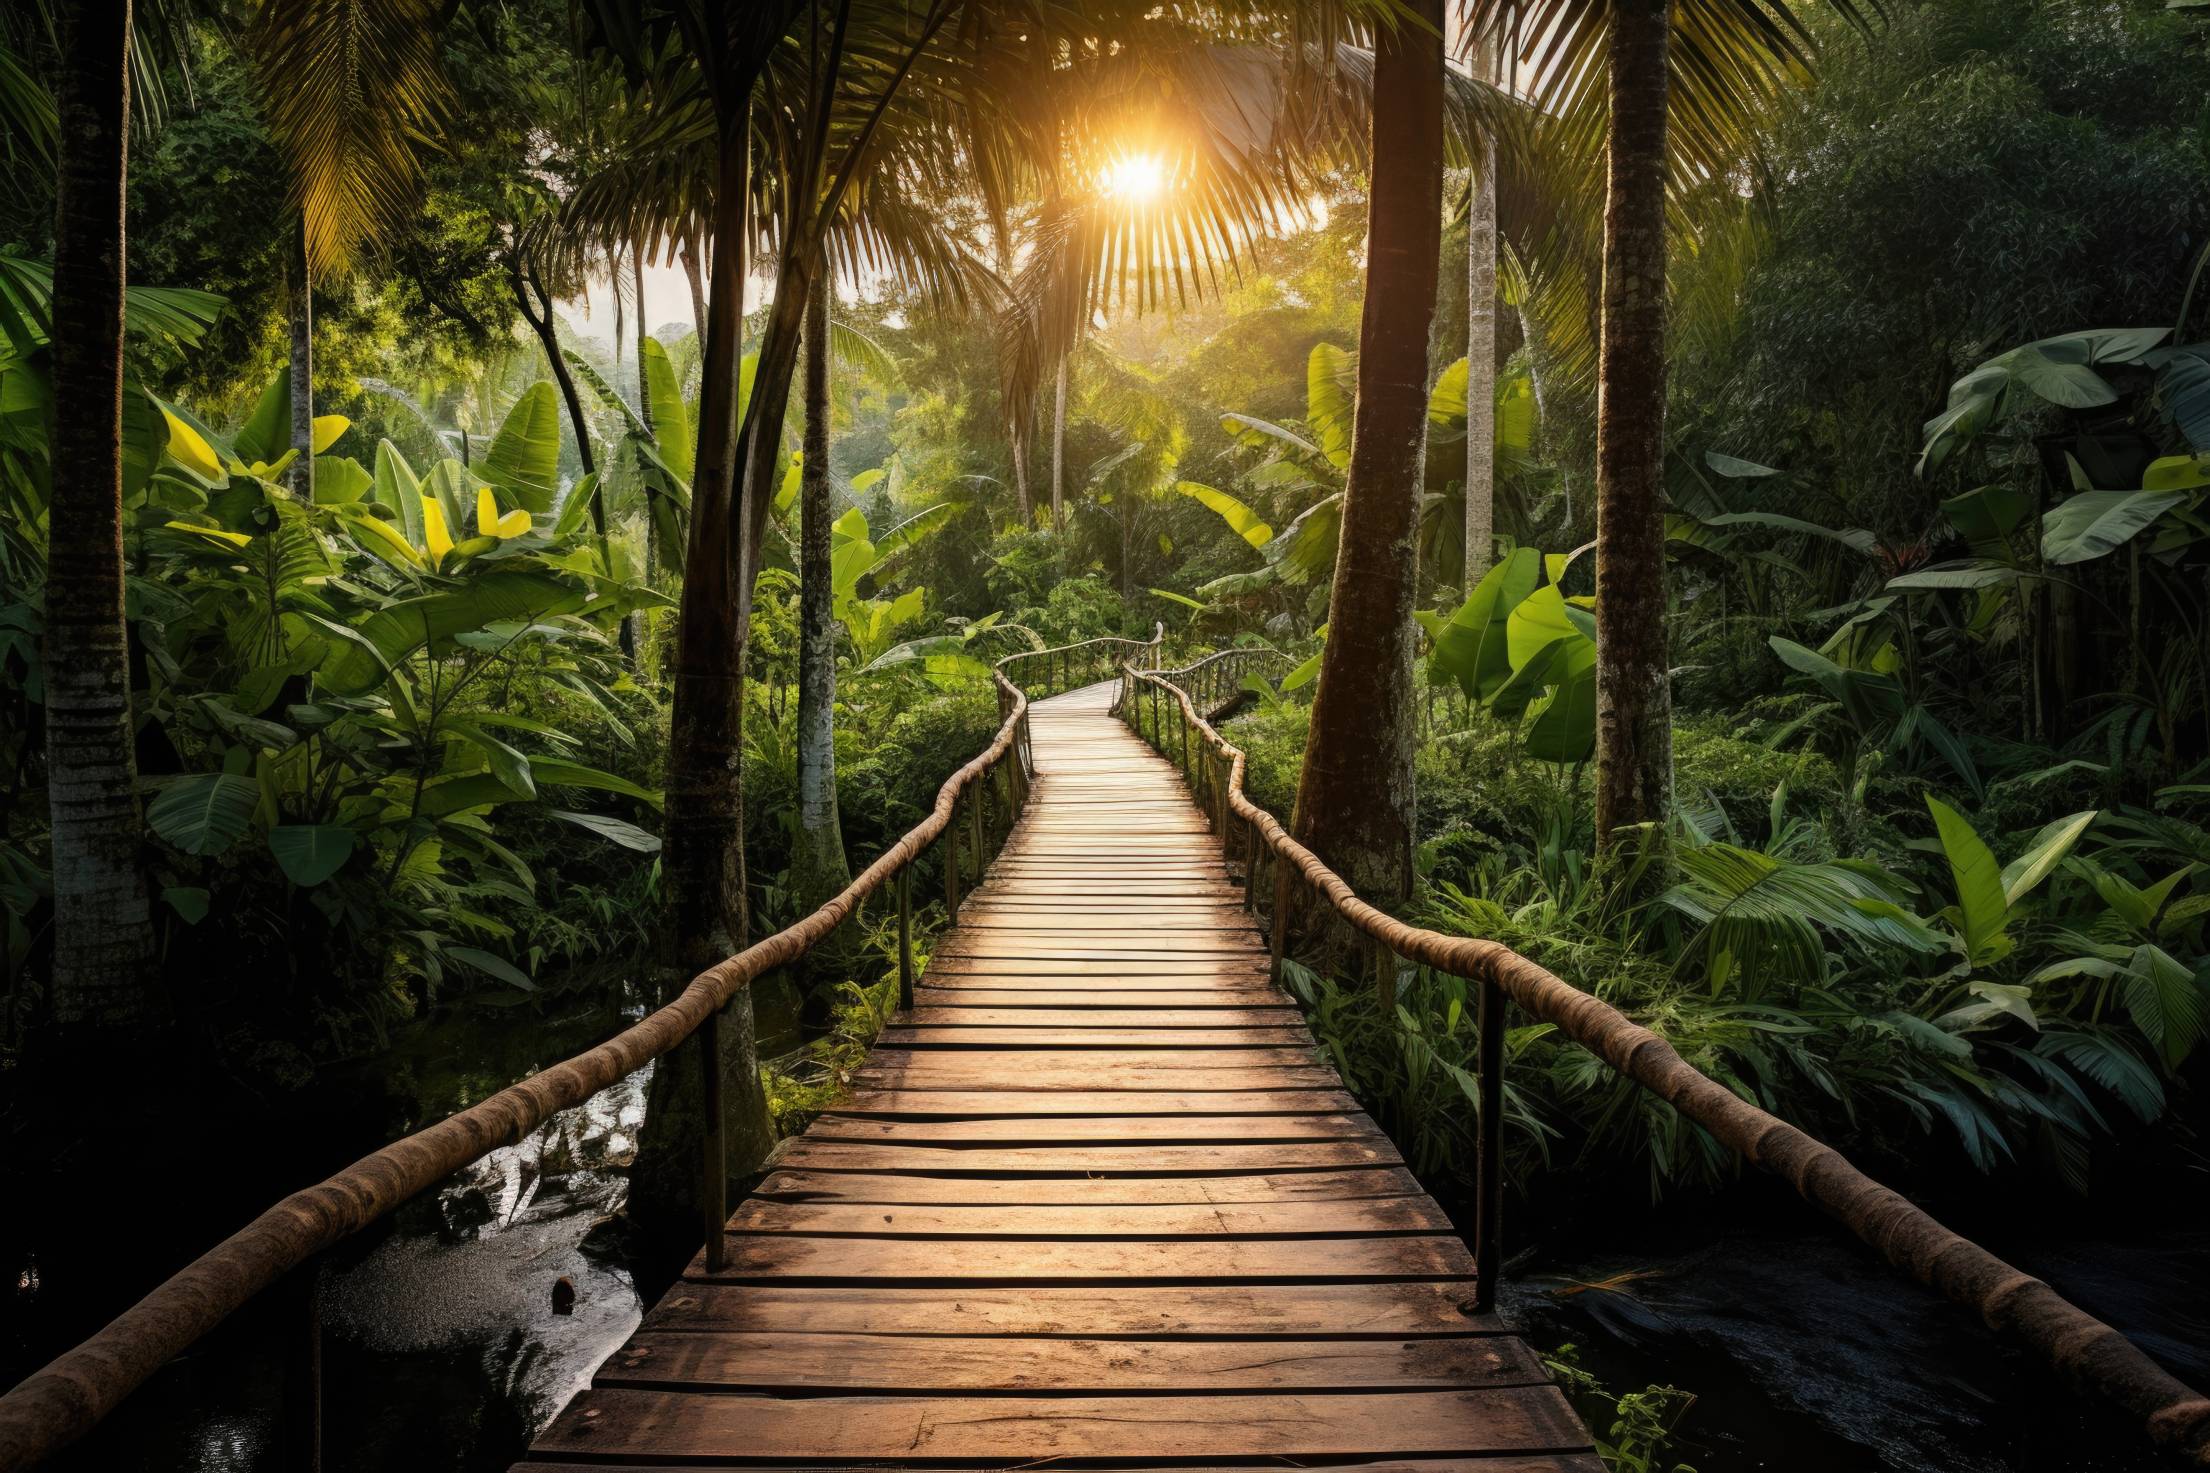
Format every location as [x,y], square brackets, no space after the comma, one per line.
[1250,865]
[1277,929]
[974,831]
[951,864]
[905,936]
[713,1199]
[1488,1230]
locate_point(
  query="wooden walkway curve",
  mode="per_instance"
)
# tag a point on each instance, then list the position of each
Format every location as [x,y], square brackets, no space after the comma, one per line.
[1094,1201]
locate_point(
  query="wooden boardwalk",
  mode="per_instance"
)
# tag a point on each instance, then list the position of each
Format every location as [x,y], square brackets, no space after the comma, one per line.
[1095,1200]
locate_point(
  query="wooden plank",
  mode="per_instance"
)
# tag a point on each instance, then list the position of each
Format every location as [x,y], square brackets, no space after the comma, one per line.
[1103,999]
[1494,1463]
[859,1365]
[1360,1216]
[1015,1065]
[795,1257]
[951,1013]
[1044,1191]
[910,1429]
[1059,1037]
[1027,1130]
[1040,1104]
[1083,1160]
[946,1071]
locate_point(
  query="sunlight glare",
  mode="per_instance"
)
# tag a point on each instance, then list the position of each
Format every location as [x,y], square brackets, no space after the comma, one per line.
[1137,178]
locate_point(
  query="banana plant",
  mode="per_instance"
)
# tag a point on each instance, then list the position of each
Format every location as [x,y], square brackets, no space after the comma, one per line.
[1526,652]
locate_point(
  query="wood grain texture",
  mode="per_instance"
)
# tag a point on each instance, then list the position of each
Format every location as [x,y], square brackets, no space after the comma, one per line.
[1096,1197]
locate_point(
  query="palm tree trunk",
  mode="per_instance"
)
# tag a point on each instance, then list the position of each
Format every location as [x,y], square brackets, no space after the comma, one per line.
[818,867]
[302,478]
[694,251]
[621,317]
[1481,369]
[1059,451]
[1634,732]
[1354,798]
[103,923]
[1018,438]
[704,854]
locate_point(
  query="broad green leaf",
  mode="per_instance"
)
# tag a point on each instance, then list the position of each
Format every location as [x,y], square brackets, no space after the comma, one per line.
[2042,855]
[190,902]
[2059,370]
[1564,728]
[619,831]
[2177,473]
[2166,1003]
[1735,469]
[326,431]
[339,481]
[671,417]
[2094,524]
[407,625]
[1472,647]
[491,966]
[1987,515]
[1331,396]
[509,764]
[481,789]
[399,490]
[1241,520]
[205,813]
[1982,908]
[188,448]
[1540,620]
[309,854]
[524,458]
[1446,402]
[267,433]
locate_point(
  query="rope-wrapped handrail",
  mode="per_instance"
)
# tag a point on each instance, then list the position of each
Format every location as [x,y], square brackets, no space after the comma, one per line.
[1214,680]
[2079,1346]
[1062,662]
[77,1389]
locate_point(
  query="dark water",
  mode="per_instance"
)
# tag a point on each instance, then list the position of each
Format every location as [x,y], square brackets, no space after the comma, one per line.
[441,1350]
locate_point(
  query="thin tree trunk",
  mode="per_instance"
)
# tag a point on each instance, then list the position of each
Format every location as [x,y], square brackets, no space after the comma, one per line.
[704,854]
[1354,798]
[301,282]
[1059,451]
[1481,369]
[621,317]
[103,923]
[1018,437]
[1634,723]
[818,867]
[644,410]
[694,250]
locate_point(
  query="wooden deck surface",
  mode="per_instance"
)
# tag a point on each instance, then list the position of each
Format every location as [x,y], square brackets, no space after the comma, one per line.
[1096,1200]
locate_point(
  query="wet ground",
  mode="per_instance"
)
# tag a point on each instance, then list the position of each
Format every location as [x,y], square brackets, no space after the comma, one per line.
[442,1350]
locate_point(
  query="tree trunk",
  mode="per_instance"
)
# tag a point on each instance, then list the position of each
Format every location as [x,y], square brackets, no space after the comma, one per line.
[103,924]
[1059,451]
[694,250]
[1634,730]
[1481,369]
[818,867]
[1018,438]
[621,328]
[704,854]
[301,282]
[1354,800]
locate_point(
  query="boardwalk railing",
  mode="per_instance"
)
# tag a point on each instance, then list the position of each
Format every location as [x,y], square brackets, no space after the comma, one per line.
[2079,1346]
[72,1394]
[1049,672]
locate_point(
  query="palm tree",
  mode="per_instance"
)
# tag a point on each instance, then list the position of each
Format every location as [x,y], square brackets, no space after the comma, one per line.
[818,867]
[103,922]
[1481,364]
[348,90]
[1667,92]
[1354,797]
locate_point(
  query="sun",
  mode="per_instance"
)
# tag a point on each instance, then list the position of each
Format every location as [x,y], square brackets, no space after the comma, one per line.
[1135,178]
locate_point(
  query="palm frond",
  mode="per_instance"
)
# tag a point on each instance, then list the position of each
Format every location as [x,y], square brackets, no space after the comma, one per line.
[351,87]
